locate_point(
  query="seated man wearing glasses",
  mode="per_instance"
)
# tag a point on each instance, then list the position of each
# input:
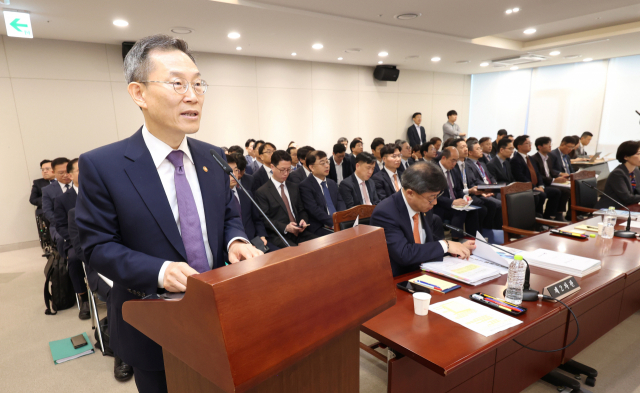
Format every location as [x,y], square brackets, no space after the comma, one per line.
[263,174]
[320,195]
[414,234]
[280,200]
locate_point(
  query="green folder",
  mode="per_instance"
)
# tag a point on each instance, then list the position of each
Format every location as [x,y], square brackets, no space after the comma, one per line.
[63,351]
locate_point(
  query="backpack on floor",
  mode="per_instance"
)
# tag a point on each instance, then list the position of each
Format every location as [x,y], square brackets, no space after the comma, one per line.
[60,294]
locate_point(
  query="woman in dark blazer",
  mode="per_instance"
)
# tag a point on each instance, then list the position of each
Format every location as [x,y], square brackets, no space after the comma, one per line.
[623,182]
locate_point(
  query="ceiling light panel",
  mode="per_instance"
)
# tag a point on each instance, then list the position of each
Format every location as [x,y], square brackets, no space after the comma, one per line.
[233,35]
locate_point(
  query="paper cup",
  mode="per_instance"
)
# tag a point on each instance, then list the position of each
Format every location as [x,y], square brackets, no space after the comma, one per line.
[421,302]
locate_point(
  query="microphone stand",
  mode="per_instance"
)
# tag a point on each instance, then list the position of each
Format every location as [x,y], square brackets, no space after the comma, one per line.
[528,294]
[627,233]
[227,169]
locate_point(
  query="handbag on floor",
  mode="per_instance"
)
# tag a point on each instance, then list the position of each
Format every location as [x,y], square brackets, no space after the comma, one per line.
[58,289]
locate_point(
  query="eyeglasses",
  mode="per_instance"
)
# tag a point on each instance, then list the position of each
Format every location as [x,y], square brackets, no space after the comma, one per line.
[323,163]
[265,151]
[431,200]
[181,85]
[288,170]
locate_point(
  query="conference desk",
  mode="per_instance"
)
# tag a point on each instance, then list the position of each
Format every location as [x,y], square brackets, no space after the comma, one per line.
[442,356]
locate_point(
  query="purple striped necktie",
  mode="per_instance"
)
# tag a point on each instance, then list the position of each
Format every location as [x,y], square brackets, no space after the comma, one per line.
[188,214]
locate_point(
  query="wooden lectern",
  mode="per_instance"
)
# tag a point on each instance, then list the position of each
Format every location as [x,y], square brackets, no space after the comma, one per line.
[285,322]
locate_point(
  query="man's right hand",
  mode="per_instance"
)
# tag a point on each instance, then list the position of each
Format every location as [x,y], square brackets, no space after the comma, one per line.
[560,180]
[175,276]
[459,250]
[293,229]
[459,202]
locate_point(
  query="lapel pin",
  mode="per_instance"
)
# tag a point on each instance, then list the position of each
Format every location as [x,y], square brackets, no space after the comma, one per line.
[205,169]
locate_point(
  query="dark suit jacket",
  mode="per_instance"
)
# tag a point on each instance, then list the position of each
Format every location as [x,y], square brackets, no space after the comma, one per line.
[251,217]
[446,199]
[297,176]
[494,149]
[259,178]
[351,195]
[346,169]
[618,185]
[474,175]
[495,168]
[521,171]
[316,206]
[384,184]
[96,283]
[405,255]
[539,164]
[412,135]
[62,205]
[557,164]
[401,168]
[247,182]
[128,231]
[271,203]
[36,193]
[49,194]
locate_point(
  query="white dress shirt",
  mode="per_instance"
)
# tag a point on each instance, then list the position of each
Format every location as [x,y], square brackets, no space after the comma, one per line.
[75,188]
[419,133]
[234,191]
[339,170]
[423,233]
[306,173]
[360,183]
[404,163]
[546,164]
[159,152]
[380,164]
[63,186]
[286,192]
[268,169]
[391,177]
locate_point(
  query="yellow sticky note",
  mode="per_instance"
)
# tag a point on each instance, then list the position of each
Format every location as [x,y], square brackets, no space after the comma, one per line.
[466,268]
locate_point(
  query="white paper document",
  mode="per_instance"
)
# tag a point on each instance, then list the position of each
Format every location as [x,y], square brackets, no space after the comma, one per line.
[561,262]
[468,272]
[481,319]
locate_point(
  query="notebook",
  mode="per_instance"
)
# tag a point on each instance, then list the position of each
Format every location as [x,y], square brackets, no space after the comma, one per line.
[434,284]
[63,351]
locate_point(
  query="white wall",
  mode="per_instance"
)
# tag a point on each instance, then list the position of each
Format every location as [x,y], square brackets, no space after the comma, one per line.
[62,98]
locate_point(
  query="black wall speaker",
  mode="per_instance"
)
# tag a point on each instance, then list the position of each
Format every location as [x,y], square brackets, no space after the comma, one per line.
[386,73]
[126,47]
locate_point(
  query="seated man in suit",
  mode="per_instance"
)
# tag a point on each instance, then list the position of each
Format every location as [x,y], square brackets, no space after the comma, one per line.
[356,148]
[544,163]
[280,200]
[416,133]
[585,139]
[264,173]
[405,156]
[487,147]
[293,152]
[499,166]
[388,180]
[622,181]
[376,145]
[359,188]
[340,165]
[55,189]
[320,195]
[562,162]
[494,146]
[36,189]
[478,174]
[251,153]
[453,196]
[246,180]
[303,172]
[62,204]
[257,161]
[413,233]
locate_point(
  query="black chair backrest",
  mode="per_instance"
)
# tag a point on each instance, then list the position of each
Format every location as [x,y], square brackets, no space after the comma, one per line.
[521,210]
[585,196]
[349,224]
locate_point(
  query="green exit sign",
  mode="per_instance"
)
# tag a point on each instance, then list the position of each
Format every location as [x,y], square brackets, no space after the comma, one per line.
[18,24]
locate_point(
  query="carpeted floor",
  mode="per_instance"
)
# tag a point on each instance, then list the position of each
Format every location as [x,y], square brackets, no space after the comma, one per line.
[26,364]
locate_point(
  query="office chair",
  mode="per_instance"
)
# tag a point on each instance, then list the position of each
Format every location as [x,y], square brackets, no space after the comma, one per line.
[583,198]
[519,212]
[93,307]
[345,219]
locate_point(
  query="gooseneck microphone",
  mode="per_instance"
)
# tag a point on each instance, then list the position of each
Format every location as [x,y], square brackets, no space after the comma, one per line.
[528,294]
[227,169]
[627,233]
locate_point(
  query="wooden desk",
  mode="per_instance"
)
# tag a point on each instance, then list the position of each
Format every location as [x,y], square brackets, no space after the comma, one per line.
[447,357]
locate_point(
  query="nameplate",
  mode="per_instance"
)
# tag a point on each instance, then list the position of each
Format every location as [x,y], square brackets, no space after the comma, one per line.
[563,288]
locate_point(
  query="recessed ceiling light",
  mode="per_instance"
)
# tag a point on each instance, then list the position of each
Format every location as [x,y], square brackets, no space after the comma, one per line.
[238,48]
[407,16]
[530,31]
[317,46]
[435,59]
[508,11]
[588,59]
[514,68]
[120,23]
[554,53]
[233,35]
[294,54]
[353,50]
[462,62]
[380,62]
[339,58]
[572,56]
[484,64]
[516,9]
[181,30]
[383,54]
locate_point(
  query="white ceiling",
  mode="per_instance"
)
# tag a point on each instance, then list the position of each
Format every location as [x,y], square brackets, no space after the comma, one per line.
[275,28]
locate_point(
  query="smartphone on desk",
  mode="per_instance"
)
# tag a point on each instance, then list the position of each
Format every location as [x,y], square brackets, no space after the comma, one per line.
[412,288]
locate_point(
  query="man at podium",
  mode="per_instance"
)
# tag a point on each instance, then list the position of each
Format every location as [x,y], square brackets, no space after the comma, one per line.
[156,208]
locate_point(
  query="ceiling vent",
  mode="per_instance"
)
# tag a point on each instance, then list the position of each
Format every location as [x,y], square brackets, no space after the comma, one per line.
[519,60]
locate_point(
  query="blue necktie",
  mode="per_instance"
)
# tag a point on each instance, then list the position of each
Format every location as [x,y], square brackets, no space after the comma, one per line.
[567,163]
[327,198]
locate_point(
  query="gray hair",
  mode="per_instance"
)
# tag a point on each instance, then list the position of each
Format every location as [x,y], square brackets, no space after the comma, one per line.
[343,139]
[423,177]
[471,143]
[137,65]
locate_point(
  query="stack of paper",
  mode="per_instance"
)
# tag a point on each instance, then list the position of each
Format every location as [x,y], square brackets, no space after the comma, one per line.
[468,272]
[63,351]
[572,265]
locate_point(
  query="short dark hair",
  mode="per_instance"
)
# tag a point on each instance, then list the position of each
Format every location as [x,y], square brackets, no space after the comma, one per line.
[365,157]
[376,142]
[279,155]
[259,141]
[520,140]
[455,142]
[137,65]
[290,148]
[44,162]
[416,114]
[316,156]
[235,149]
[484,139]
[423,177]
[70,165]
[339,148]
[248,142]
[543,140]
[238,159]
[303,151]
[503,143]
[448,142]
[451,113]
[586,133]
[416,148]
[342,139]
[354,143]
[627,149]
[502,132]
[435,139]
[568,139]
[59,161]
[388,149]
[261,149]
[291,143]
[509,136]
[425,147]
[358,138]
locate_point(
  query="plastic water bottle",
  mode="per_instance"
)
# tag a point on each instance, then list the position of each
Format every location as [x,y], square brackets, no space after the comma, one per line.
[515,280]
[609,222]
